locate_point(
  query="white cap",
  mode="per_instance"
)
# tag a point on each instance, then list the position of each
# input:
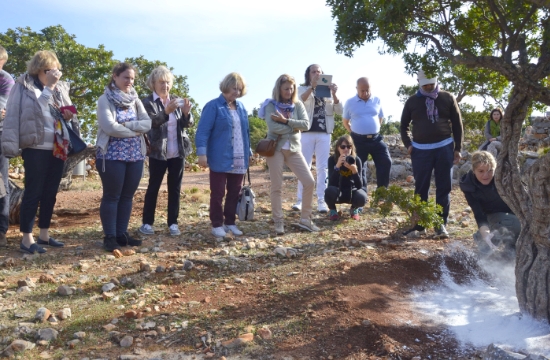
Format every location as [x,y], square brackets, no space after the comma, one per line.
[423,80]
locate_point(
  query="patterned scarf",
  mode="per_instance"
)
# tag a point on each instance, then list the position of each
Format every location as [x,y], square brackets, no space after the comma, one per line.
[433,114]
[119,98]
[61,140]
[286,109]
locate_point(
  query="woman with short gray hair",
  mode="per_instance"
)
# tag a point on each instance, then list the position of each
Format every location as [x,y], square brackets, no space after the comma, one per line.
[169,145]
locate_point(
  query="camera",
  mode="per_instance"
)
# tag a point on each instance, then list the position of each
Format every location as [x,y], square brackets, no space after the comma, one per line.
[350,160]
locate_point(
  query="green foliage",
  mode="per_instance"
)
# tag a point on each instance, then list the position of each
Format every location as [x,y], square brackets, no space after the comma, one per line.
[339,129]
[258,130]
[389,127]
[426,214]
[474,125]
[86,69]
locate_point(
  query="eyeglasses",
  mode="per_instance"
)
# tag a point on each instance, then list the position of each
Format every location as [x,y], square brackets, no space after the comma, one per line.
[46,71]
[343,147]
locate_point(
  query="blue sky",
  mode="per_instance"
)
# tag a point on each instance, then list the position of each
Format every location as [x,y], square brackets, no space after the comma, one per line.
[206,40]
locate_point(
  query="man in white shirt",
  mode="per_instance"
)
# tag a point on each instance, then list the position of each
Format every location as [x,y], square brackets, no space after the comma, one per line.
[362,117]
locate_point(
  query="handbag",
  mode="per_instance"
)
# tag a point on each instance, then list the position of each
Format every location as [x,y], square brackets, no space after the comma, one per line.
[77,144]
[245,204]
[147,145]
[266,147]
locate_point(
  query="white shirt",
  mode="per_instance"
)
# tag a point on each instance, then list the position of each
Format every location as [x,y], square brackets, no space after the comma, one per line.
[172,127]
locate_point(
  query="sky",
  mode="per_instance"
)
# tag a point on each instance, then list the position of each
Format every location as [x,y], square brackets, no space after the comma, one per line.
[206,40]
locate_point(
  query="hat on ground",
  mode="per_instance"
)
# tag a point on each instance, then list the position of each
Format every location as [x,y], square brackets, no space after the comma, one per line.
[423,79]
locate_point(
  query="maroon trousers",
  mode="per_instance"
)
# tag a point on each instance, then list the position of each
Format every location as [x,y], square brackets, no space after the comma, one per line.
[218,183]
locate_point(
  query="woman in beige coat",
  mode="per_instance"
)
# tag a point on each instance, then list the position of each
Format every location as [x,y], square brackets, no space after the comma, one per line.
[286,116]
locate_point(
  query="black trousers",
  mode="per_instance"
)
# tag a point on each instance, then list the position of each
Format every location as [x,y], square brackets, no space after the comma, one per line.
[43,174]
[332,197]
[157,169]
[380,154]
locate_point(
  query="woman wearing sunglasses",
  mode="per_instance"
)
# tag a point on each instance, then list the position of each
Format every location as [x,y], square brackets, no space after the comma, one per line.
[347,182]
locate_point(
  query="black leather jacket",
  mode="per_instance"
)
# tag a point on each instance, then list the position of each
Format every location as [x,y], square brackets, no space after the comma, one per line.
[158,135]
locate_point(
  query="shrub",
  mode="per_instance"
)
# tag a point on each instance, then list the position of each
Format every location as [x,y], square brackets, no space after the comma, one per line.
[426,214]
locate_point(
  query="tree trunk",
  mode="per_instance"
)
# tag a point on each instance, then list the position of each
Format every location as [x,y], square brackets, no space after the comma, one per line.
[70,164]
[16,194]
[531,204]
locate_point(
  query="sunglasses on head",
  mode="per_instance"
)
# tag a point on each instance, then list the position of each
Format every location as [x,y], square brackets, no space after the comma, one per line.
[343,147]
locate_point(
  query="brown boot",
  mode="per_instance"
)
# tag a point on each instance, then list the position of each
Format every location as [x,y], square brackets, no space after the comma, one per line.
[3,240]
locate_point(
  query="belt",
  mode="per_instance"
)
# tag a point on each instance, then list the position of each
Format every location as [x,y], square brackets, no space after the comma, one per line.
[368,136]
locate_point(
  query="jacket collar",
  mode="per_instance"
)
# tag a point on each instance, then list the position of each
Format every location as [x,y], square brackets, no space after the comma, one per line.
[221,101]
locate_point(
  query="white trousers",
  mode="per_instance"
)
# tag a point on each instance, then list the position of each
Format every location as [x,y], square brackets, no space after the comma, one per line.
[319,144]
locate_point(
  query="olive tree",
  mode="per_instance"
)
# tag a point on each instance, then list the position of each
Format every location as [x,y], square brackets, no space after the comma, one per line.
[489,39]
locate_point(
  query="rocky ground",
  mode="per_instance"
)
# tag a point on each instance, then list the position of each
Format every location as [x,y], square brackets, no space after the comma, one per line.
[338,294]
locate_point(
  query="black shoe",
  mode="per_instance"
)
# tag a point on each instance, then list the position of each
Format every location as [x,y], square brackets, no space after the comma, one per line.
[110,243]
[441,232]
[50,242]
[415,228]
[126,240]
[34,248]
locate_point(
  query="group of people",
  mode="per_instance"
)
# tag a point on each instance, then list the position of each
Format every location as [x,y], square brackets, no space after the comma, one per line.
[38,112]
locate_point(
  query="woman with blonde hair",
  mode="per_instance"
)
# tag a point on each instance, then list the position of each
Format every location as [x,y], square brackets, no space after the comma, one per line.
[122,122]
[286,116]
[223,143]
[36,124]
[496,221]
[347,181]
[170,116]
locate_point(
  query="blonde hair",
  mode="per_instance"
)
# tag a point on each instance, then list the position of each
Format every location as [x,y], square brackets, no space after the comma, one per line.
[3,53]
[158,73]
[483,158]
[277,89]
[231,80]
[42,60]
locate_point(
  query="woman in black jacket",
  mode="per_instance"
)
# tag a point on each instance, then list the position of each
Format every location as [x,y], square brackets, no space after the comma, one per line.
[170,145]
[347,182]
[496,222]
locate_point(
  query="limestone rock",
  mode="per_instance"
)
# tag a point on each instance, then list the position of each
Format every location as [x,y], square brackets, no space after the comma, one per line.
[239,341]
[47,334]
[42,314]
[127,341]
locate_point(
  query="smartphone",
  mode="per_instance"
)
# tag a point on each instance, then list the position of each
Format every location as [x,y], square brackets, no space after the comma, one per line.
[71,108]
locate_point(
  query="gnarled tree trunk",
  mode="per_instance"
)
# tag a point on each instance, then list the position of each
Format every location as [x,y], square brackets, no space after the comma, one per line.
[531,204]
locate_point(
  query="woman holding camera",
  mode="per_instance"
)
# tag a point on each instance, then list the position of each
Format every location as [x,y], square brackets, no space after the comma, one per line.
[122,122]
[347,181]
[36,123]
[286,116]
[169,147]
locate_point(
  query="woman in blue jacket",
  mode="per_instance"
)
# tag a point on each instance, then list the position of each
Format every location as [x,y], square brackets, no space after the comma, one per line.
[223,144]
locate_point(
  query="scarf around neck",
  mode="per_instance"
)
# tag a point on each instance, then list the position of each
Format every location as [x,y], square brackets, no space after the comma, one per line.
[284,108]
[119,98]
[433,114]
[494,128]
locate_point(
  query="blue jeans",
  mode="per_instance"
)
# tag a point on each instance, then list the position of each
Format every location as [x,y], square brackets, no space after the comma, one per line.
[120,181]
[440,161]
[380,154]
[43,174]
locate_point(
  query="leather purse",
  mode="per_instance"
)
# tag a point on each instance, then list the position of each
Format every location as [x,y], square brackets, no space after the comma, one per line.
[266,147]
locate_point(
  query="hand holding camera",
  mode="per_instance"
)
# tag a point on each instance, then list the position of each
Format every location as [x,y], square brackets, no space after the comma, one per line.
[350,164]
[185,105]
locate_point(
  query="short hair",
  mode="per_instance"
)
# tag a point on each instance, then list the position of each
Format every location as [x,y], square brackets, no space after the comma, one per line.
[277,89]
[42,60]
[119,69]
[499,110]
[344,138]
[159,73]
[483,158]
[3,53]
[233,79]
[306,75]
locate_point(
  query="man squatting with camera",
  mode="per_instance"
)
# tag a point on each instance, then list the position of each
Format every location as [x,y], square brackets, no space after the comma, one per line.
[362,118]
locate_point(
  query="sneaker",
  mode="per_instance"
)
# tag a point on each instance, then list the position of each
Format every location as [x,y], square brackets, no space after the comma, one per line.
[354,213]
[218,231]
[308,225]
[174,230]
[279,227]
[110,243]
[322,207]
[415,228]
[146,229]
[333,216]
[126,240]
[297,206]
[233,229]
[441,232]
